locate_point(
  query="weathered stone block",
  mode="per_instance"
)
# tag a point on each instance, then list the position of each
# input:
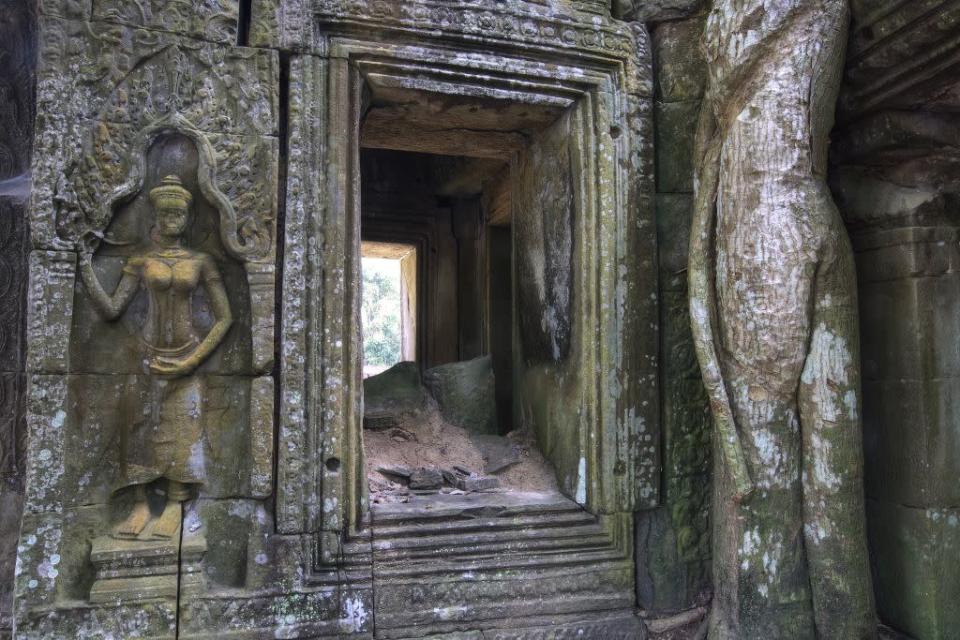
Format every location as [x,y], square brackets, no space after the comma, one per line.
[426,479]
[291,24]
[676,124]
[674,214]
[393,397]
[81,426]
[135,571]
[688,499]
[889,254]
[678,355]
[688,428]
[665,582]
[54,575]
[14,261]
[72,9]
[214,20]
[91,75]
[39,556]
[11,506]
[681,72]
[656,10]
[54,562]
[914,554]
[913,329]
[464,392]
[50,310]
[13,434]
[261,279]
[866,199]
[340,611]
[298,501]
[47,410]
[233,525]
[260,461]
[919,465]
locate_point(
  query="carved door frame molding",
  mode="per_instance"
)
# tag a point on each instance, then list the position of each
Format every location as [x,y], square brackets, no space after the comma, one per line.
[320,478]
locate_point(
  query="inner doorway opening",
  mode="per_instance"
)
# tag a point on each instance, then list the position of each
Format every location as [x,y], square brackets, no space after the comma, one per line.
[442,421]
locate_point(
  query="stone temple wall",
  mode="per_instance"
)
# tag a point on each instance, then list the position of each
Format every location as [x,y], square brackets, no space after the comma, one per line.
[894,175]
[18,33]
[673,541]
[197,160]
[233,95]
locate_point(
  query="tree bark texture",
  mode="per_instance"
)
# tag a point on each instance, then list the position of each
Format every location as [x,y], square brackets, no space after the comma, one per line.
[774,312]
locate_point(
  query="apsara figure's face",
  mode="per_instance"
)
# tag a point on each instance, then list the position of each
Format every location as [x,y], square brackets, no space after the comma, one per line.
[172,221]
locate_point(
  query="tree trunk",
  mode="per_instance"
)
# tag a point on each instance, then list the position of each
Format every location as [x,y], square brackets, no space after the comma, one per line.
[774,312]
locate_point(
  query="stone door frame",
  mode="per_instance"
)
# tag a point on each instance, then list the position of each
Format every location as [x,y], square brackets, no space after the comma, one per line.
[320,479]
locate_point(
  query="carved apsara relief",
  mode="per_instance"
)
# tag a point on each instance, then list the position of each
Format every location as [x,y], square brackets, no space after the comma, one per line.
[151,321]
[165,258]
[171,273]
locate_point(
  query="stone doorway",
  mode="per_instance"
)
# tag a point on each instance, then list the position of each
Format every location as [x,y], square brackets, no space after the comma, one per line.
[443,423]
[508,215]
[568,123]
[493,206]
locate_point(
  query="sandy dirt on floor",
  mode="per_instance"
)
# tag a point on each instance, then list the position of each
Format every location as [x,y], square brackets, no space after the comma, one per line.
[432,443]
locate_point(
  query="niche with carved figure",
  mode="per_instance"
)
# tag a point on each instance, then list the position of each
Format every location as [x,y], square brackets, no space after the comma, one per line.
[165,412]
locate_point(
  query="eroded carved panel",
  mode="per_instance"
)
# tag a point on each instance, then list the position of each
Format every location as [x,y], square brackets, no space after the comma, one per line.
[299,23]
[114,75]
[214,20]
[155,222]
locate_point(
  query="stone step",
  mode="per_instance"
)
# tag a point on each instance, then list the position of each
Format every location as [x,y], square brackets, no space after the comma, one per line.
[557,539]
[485,598]
[441,526]
[608,625]
[440,507]
[597,559]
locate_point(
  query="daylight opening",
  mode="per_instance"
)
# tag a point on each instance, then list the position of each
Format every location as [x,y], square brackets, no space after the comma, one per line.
[388,309]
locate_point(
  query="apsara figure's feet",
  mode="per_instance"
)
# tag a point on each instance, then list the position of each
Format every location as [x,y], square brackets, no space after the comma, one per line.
[168,524]
[135,522]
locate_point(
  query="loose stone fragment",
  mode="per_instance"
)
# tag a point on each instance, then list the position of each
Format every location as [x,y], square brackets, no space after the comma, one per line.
[426,479]
[499,453]
[398,471]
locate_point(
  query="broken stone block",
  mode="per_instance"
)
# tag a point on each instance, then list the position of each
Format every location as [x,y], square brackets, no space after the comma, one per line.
[136,570]
[393,397]
[398,471]
[464,392]
[477,483]
[466,481]
[498,453]
[426,479]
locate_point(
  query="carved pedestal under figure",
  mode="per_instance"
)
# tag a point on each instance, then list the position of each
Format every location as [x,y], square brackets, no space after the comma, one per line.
[773,306]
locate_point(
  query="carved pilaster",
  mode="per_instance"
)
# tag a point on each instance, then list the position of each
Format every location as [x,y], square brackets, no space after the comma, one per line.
[261,278]
[50,310]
